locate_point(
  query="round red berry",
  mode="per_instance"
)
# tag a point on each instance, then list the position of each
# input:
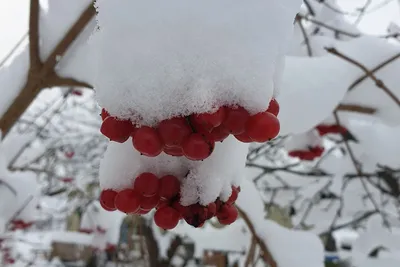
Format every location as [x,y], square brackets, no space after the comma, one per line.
[173,131]
[146,184]
[262,127]
[198,146]
[148,142]
[210,120]
[175,151]
[148,203]
[243,137]
[142,211]
[273,107]
[166,218]
[234,195]
[235,120]
[227,215]
[211,210]
[169,187]
[104,114]
[127,201]
[107,199]
[219,134]
[116,130]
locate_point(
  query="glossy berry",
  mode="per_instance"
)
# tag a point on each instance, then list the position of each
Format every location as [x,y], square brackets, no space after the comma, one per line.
[148,203]
[227,215]
[262,127]
[104,114]
[235,120]
[127,201]
[166,218]
[146,184]
[107,199]
[175,151]
[169,187]
[198,146]
[234,195]
[116,130]
[244,138]
[273,107]
[211,210]
[210,120]
[148,142]
[173,131]
[219,134]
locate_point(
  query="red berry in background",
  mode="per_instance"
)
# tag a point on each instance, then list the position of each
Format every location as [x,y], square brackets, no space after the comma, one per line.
[146,184]
[169,187]
[234,195]
[173,131]
[210,120]
[235,120]
[273,107]
[127,201]
[148,142]
[148,203]
[116,130]
[262,127]
[104,114]
[69,154]
[244,138]
[219,134]
[107,199]
[85,230]
[227,215]
[77,92]
[198,146]
[175,151]
[166,218]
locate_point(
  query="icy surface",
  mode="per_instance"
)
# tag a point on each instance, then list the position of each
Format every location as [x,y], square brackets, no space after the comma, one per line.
[184,56]
[206,180]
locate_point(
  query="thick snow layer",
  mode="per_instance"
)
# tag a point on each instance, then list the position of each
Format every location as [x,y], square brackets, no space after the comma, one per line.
[303,141]
[312,86]
[206,180]
[158,59]
[288,247]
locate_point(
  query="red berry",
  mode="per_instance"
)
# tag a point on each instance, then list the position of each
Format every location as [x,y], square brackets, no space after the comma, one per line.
[127,201]
[162,203]
[148,142]
[173,151]
[211,210]
[178,207]
[166,218]
[273,107]
[234,195]
[148,203]
[116,130]
[210,120]
[195,215]
[227,215]
[219,134]
[142,211]
[104,114]
[169,187]
[77,92]
[235,120]
[173,131]
[262,127]
[198,146]
[146,184]
[244,138]
[107,199]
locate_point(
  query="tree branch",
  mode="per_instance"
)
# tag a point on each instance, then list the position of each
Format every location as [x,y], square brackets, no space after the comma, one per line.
[34,56]
[356,108]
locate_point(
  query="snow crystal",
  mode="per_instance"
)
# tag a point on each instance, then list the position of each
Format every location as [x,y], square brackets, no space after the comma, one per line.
[202,181]
[158,59]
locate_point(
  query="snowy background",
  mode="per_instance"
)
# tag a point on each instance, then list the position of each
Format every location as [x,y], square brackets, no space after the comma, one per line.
[337,65]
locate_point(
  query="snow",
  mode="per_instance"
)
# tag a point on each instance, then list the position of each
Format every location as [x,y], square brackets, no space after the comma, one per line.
[288,247]
[303,141]
[206,180]
[175,66]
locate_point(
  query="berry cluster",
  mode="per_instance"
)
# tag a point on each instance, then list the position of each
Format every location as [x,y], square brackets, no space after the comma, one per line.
[308,155]
[194,136]
[163,194]
[20,225]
